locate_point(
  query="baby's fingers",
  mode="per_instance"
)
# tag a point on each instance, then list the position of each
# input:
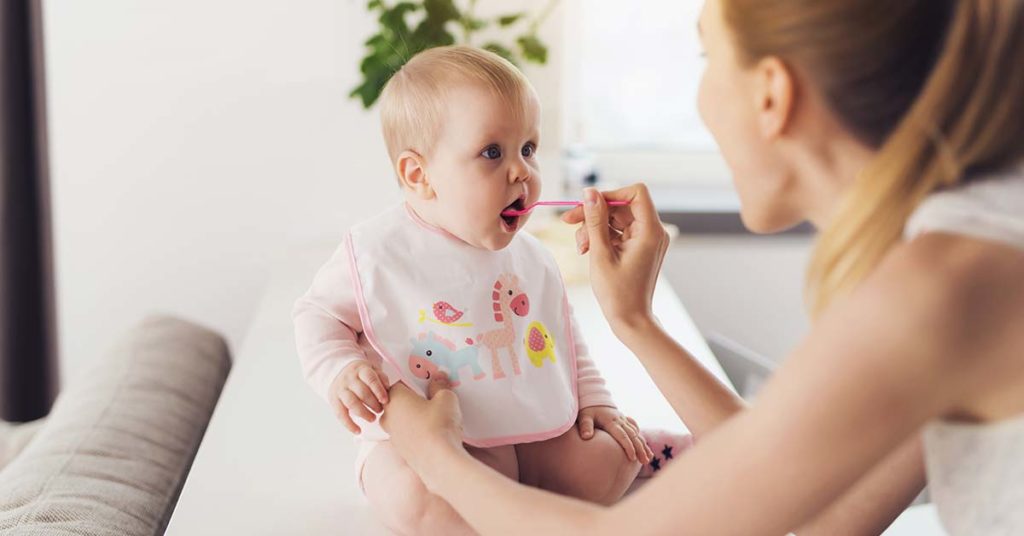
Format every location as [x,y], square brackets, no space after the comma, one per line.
[356,406]
[372,379]
[643,451]
[643,442]
[367,397]
[620,435]
[586,426]
[341,412]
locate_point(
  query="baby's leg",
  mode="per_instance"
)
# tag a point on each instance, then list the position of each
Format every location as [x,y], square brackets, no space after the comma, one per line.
[596,470]
[401,501]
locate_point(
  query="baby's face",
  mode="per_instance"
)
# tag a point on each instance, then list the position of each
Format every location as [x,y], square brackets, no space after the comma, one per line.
[484,163]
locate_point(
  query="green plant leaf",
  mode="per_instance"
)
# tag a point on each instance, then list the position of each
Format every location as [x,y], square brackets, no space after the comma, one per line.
[369,91]
[396,41]
[431,33]
[442,10]
[533,49]
[473,24]
[508,20]
[394,18]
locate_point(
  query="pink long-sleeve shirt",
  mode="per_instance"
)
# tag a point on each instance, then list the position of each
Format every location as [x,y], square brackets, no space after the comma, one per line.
[329,335]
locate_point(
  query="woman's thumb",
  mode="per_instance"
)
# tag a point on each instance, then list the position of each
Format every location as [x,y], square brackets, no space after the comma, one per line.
[439,383]
[595,211]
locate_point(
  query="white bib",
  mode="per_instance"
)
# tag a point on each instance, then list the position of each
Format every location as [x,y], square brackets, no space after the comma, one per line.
[496,322]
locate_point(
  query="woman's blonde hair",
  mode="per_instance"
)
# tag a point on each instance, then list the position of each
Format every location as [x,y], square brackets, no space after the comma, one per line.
[412,103]
[936,86]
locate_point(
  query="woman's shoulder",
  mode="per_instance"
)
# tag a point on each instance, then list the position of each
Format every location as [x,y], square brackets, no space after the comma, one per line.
[959,292]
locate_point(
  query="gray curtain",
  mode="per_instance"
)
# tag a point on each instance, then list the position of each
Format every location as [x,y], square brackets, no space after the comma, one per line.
[27,328]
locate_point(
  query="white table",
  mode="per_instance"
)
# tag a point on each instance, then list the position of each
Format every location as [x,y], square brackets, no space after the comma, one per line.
[275,461]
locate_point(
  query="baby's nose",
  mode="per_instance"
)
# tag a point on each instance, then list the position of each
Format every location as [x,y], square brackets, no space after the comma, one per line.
[519,173]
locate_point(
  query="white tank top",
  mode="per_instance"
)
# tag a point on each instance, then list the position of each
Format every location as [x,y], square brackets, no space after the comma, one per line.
[976,472]
[495,322]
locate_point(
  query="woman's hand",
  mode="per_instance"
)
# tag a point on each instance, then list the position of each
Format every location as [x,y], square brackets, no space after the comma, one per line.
[626,245]
[422,429]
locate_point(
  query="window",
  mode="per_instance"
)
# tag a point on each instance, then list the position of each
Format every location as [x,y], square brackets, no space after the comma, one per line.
[631,79]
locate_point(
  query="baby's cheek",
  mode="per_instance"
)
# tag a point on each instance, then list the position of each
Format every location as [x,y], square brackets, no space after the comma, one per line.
[483,205]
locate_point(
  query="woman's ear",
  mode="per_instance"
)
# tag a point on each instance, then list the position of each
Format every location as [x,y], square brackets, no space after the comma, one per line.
[774,94]
[413,175]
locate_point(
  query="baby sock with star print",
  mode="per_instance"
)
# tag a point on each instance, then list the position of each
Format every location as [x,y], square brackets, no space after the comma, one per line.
[666,446]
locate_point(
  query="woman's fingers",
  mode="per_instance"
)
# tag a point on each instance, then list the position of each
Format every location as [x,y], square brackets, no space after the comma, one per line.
[400,396]
[618,236]
[595,212]
[582,240]
[439,383]
[577,214]
[639,219]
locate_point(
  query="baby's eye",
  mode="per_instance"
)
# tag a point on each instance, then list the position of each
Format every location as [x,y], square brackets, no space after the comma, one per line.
[528,150]
[493,152]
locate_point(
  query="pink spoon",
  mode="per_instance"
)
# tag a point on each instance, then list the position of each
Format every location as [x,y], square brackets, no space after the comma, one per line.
[529,209]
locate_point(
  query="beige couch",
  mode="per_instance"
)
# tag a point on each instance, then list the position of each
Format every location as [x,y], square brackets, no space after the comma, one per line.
[114,452]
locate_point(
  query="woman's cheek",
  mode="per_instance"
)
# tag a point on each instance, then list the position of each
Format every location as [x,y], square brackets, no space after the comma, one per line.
[710,103]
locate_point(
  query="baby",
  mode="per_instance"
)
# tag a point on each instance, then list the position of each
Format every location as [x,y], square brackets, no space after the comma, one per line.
[445,284]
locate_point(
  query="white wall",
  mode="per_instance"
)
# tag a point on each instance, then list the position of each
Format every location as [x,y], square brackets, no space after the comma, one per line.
[194,144]
[748,288]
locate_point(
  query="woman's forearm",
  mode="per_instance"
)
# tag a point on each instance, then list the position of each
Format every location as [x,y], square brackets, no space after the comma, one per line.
[870,506]
[700,400]
[493,504]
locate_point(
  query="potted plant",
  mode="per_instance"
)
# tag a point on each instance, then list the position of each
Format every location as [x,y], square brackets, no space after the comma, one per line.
[441,23]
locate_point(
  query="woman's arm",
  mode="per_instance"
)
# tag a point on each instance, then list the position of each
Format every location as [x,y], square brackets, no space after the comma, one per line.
[875,368]
[700,400]
[876,500]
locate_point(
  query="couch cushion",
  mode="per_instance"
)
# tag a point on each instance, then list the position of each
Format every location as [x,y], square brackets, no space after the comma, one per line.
[119,442]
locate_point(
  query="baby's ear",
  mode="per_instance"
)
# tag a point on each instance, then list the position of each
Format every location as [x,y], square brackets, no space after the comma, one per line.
[412,173]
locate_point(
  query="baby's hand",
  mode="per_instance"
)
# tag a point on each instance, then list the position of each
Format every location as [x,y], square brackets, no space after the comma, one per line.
[623,429]
[358,388]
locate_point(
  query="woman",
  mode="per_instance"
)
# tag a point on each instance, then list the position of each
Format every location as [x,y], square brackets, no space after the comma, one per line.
[897,128]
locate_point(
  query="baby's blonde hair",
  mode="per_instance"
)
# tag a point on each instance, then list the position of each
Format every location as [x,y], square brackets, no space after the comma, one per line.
[412,103]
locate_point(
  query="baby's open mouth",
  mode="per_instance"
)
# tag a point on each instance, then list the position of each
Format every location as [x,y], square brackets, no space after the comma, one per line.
[512,222]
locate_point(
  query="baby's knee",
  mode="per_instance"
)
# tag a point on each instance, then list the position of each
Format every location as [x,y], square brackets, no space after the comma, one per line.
[620,476]
[611,472]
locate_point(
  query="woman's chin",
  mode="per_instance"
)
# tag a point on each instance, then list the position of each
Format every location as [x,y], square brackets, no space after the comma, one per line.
[764,224]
